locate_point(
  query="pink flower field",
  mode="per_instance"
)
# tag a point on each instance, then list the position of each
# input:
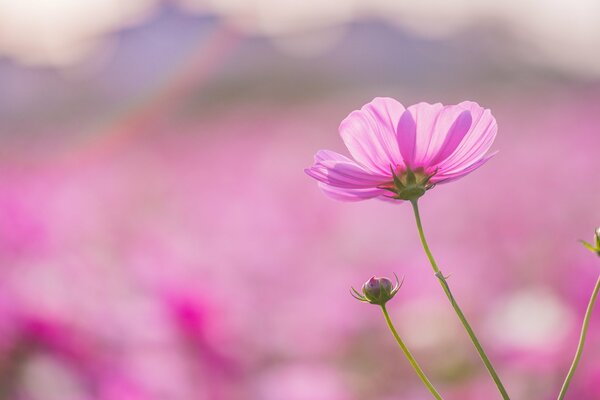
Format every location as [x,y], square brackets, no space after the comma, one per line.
[159,238]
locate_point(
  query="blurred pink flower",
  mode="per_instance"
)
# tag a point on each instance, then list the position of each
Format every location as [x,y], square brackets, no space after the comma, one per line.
[301,381]
[23,232]
[34,335]
[439,143]
[195,321]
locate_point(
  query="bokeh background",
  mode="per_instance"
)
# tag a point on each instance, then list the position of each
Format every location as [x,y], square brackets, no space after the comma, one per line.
[159,239]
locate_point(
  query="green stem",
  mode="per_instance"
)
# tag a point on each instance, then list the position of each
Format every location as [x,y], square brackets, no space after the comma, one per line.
[457,309]
[584,328]
[409,356]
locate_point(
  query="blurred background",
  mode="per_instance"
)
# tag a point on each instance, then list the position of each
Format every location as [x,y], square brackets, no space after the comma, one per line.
[159,239]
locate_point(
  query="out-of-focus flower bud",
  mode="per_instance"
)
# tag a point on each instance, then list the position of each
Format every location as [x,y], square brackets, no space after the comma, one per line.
[377,290]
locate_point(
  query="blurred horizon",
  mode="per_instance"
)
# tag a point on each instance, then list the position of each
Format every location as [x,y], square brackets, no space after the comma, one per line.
[361,56]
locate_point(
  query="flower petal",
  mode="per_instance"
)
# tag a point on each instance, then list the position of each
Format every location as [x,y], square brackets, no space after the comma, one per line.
[370,134]
[439,131]
[345,175]
[450,176]
[406,132]
[452,136]
[349,194]
[327,155]
[476,142]
[425,116]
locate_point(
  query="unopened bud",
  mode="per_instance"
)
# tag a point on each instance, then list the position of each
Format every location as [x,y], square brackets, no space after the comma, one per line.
[377,290]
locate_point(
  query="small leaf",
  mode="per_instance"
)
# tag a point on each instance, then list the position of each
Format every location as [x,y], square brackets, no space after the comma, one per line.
[590,247]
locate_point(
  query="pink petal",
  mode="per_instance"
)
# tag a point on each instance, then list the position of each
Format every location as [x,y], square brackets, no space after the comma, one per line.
[458,129]
[345,175]
[425,116]
[406,132]
[349,194]
[450,176]
[476,142]
[326,155]
[439,131]
[370,134]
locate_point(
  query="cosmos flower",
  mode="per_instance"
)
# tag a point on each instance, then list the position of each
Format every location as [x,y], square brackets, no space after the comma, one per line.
[399,153]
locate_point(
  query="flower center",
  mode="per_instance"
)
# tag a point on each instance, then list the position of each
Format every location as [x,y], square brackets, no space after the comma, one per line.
[408,184]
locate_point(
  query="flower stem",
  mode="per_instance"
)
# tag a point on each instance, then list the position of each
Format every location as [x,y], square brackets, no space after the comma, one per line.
[586,321]
[409,356]
[461,316]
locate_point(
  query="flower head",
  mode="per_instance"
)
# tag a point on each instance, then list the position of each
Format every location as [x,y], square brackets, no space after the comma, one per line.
[399,153]
[377,290]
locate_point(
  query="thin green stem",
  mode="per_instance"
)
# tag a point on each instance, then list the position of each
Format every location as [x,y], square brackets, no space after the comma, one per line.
[584,328]
[461,316]
[409,356]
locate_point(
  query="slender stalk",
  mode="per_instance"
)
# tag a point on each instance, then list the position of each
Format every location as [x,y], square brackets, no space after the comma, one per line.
[584,328]
[409,356]
[461,316]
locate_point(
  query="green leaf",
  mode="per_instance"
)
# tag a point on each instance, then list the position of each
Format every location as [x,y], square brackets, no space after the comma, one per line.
[590,247]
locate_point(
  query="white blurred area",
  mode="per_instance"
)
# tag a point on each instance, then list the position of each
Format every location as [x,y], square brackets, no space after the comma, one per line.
[62,32]
[559,34]
[510,322]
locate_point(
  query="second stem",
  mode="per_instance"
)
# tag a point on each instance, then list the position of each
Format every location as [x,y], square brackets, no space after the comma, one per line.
[584,328]
[410,357]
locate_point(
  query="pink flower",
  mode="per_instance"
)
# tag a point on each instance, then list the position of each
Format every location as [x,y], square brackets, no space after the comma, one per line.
[399,152]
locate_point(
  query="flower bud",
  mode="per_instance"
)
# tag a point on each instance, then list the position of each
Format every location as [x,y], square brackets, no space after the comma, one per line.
[377,291]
